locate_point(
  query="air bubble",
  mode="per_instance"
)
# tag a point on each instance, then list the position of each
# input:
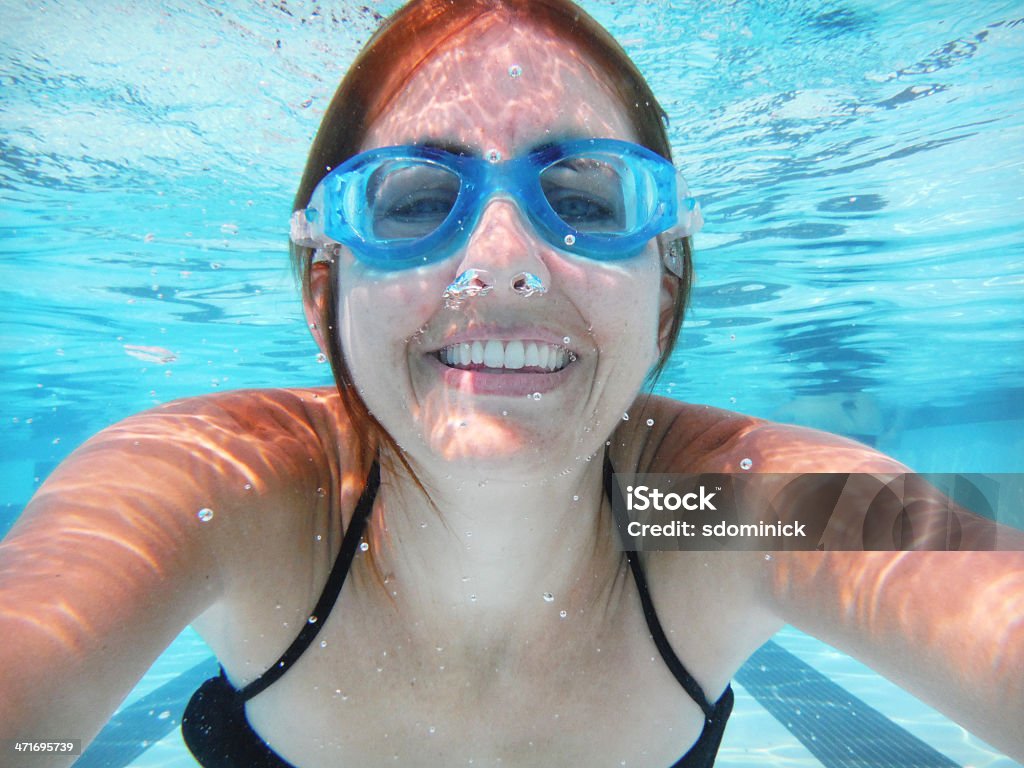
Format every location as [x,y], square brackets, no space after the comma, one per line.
[570,239]
[767,557]
[732,400]
[248,486]
[625,417]
[493,156]
[566,340]
[472,598]
[515,71]
[563,614]
[575,498]
[746,464]
[536,395]
[650,422]
[205,514]
[323,643]
[311,619]
[469,284]
[548,597]
[363,546]
[321,357]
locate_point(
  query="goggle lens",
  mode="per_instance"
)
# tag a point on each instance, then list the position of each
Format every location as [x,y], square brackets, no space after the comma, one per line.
[408,199]
[589,194]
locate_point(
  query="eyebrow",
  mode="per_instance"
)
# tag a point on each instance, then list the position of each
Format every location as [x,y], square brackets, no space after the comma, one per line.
[450,146]
[466,150]
[561,138]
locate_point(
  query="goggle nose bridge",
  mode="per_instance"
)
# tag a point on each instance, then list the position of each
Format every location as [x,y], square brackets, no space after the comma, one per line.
[509,181]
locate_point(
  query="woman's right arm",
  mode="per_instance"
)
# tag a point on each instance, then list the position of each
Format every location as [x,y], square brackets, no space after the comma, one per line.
[113,557]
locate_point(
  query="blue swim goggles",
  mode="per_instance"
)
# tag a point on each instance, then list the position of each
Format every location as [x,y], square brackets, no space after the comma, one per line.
[401,207]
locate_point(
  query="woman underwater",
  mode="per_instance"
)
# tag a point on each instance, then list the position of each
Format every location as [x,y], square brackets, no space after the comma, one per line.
[421,566]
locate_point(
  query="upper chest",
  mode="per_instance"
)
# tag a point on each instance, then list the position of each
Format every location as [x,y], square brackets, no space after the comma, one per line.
[591,687]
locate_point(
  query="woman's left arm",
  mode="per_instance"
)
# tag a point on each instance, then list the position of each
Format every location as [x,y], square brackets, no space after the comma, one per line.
[946,626]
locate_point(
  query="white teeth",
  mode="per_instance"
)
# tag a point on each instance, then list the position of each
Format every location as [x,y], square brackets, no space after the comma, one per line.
[515,355]
[531,358]
[511,355]
[494,354]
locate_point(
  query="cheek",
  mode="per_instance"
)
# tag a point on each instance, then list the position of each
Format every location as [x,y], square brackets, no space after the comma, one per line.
[378,314]
[620,302]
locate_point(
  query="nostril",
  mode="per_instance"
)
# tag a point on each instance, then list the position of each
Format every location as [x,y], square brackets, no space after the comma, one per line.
[527,284]
[471,283]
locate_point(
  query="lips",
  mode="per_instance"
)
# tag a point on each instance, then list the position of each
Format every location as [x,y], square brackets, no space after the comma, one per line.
[497,356]
[509,364]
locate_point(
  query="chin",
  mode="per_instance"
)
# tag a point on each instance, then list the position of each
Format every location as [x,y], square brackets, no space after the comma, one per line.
[491,438]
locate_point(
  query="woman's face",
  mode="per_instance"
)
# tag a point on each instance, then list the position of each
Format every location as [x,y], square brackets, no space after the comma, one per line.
[509,89]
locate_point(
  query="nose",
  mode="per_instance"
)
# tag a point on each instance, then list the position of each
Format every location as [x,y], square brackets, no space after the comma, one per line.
[504,244]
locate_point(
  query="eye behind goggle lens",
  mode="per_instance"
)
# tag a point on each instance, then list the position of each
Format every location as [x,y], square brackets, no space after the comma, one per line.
[588,194]
[407,199]
[601,194]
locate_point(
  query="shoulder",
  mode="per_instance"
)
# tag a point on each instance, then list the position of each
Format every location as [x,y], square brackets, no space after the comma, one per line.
[244,455]
[672,436]
[263,412]
[235,431]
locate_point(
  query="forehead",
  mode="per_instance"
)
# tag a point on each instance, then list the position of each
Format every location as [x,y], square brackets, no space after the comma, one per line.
[506,85]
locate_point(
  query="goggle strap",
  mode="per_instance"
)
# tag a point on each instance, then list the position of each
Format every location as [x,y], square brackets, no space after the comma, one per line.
[690,220]
[301,233]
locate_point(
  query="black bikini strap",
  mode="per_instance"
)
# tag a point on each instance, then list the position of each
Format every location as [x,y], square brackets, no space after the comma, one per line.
[675,666]
[329,596]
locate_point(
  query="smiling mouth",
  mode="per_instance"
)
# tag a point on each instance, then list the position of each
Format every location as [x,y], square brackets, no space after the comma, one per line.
[493,356]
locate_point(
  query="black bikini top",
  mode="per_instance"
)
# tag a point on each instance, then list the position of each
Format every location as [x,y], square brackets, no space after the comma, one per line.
[217,732]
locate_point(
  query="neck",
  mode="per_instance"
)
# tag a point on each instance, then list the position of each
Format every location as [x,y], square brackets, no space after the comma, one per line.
[495,555]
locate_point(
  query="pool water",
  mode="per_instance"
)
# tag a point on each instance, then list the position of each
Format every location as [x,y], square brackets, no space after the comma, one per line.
[860,166]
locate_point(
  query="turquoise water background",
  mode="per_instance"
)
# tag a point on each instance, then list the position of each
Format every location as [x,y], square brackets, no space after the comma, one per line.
[860,165]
